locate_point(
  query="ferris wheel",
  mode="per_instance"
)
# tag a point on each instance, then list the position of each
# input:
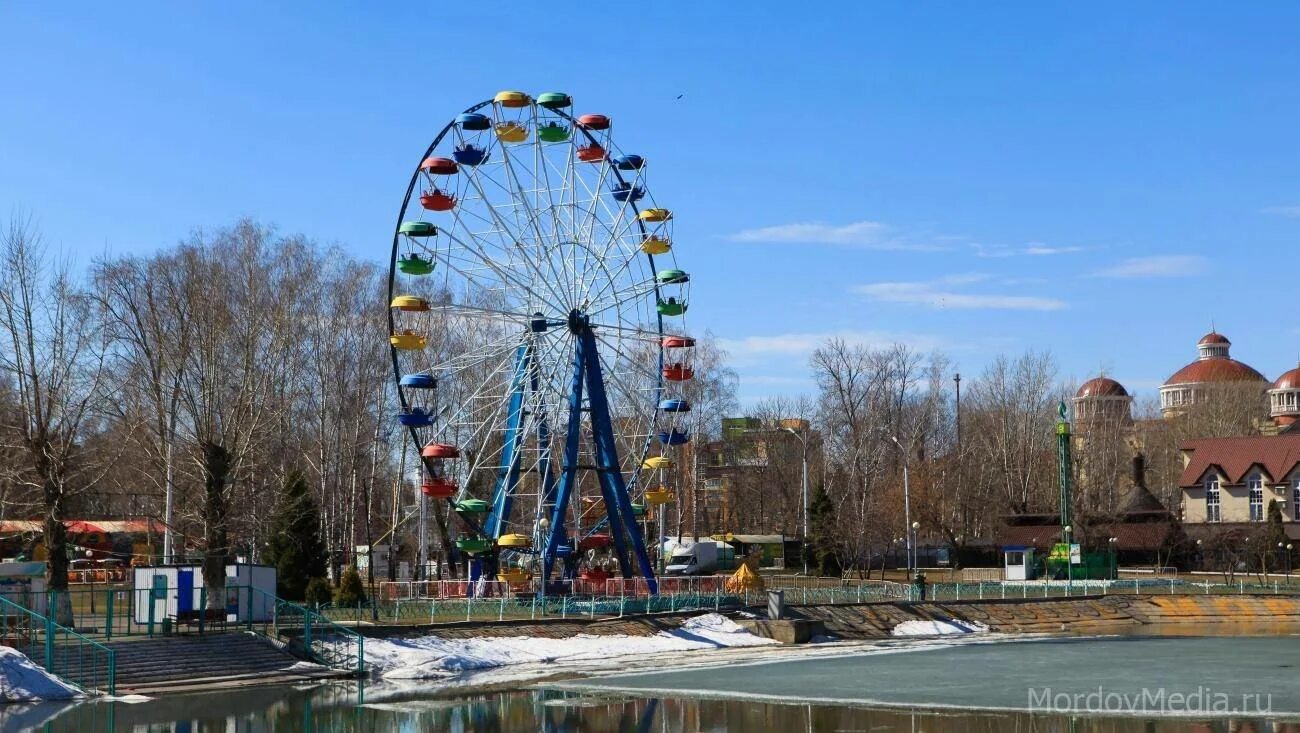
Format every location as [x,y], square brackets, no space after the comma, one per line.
[537,329]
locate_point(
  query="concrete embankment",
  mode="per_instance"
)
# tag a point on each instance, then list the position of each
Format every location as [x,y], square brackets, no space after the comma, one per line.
[1089,614]
[1082,615]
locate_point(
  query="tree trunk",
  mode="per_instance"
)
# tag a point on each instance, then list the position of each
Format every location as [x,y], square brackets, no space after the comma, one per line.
[56,553]
[216,466]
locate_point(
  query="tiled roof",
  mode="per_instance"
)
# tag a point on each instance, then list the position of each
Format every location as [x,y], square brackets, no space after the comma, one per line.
[1234,457]
[1101,387]
[1290,380]
[1215,369]
[1128,535]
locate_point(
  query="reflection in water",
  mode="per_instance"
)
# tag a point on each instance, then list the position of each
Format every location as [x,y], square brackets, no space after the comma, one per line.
[347,708]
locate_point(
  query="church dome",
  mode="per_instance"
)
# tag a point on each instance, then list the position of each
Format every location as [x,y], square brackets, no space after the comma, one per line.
[1101,387]
[1215,369]
[1214,365]
[1290,380]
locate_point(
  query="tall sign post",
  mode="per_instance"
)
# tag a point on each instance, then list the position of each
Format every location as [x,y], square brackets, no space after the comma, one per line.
[1063,458]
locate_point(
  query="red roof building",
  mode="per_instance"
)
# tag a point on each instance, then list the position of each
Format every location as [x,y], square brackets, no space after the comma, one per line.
[1284,399]
[1228,480]
[1102,398]
[1190,385]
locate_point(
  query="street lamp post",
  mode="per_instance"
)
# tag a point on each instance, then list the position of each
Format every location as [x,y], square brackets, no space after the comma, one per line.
[803,443]
[1069,559]
[907,505]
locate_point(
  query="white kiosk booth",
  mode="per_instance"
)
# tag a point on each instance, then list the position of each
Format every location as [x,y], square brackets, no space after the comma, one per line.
[1018,562]
[170,591]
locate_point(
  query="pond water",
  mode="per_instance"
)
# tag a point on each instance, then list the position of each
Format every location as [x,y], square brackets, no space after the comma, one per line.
[859,692]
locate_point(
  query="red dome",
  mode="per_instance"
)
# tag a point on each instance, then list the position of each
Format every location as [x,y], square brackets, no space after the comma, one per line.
[1290,380]
[1214,338]
[1101,387]
[1218,369]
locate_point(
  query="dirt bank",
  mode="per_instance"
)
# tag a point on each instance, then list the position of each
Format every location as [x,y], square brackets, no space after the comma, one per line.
[1083,615]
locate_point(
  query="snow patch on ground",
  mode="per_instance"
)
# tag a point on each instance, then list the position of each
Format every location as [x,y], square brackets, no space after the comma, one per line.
[22,681]
[431,656]
[936,627]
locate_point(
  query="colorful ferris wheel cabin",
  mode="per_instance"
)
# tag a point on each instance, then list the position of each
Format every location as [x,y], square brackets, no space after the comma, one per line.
[629,162]
[657,463]
[517,541]
[469,155]
[438,488]
[440,451]
[674,437]
[418,381]
[593,122]
[655,245]
[408,341]
[675,405]
[417,229]
[595,541]
[677,342]
[592,153]
[554,100]
[415,418]
[474,122]
[659,496]
[671,307]
[672,277]
[439,166]
[553,132]
[512,99]
[678,373]
[627,192]
[472,506]
[511,132]
[473,545]
[437,200]
[654,215]
[414,264]
[412,303]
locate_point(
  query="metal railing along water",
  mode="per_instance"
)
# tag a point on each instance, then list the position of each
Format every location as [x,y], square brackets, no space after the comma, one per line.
[76,659]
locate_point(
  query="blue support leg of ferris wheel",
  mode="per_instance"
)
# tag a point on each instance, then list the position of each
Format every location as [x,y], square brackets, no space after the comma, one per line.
[621,519]
[508,474]
[568,473]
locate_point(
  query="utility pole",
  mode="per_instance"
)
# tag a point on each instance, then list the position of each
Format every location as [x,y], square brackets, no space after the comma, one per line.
[909,531]
[803,441]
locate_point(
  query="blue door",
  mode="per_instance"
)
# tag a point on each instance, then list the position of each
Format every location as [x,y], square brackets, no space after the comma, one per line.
[184,591]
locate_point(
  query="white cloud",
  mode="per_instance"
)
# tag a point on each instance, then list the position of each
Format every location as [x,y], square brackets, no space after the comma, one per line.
[1032,249]
[795,348]
[1159,266]
[1288,211]
[942,293]
[865,234]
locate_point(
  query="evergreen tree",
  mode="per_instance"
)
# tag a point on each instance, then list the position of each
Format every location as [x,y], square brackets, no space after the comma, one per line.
[350,591]
[296,549]
[821,534]
[1275,539]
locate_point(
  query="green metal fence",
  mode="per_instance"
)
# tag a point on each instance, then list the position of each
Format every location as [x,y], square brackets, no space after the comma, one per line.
[321,640]
[77,660]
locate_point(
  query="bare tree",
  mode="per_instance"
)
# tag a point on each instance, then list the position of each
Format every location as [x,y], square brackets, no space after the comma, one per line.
[53,356]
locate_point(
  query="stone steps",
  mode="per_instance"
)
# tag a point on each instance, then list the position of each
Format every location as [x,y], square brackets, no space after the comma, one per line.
[195,661]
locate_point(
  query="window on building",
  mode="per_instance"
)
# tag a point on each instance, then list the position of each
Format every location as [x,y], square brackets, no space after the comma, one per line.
[1295,499]
[1212,513]
[1255,484]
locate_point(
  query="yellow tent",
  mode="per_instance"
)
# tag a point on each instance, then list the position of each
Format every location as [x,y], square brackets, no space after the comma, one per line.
[744,579]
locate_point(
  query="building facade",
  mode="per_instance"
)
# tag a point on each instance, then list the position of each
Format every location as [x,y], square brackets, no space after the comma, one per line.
[1233,480]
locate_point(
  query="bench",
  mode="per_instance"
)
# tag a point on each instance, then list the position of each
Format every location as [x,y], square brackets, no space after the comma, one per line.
[208,615]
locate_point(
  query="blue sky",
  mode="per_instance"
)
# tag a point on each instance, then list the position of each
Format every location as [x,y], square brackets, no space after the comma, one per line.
[1100,180]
